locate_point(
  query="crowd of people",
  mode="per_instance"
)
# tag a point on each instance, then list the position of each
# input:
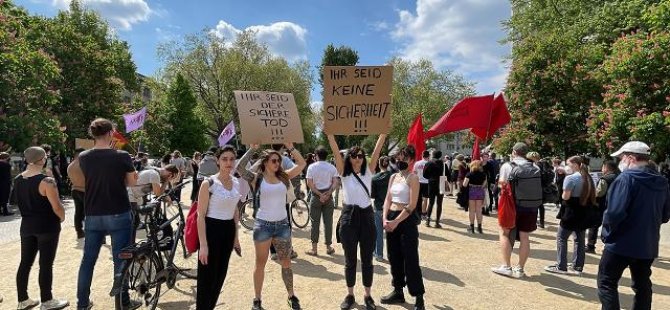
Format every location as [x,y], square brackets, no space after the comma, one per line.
[384,200]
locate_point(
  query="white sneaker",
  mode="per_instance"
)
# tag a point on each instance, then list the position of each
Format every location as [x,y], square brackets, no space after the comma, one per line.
[503,270]
[54,304]
[555,269]
[574,271]
[518,272]
[27,304]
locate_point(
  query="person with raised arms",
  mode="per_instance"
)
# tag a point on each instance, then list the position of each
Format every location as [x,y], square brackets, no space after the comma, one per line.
[270,184]
[356,227]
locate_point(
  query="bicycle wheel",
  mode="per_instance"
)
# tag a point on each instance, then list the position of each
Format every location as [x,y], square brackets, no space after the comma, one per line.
[247,214]
[187,264]
[300,213]
[143,287]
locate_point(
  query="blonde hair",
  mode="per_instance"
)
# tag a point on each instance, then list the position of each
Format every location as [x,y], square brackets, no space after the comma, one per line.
[476,165]
[534,156]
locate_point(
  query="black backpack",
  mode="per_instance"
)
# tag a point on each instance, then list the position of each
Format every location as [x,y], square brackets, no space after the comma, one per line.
[526,181]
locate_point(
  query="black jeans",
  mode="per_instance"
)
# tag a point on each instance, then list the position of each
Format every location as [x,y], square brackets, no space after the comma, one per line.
[434,196]
[5,189]
[541,214]
[402,245]
[493,197]
[31,244]
[220,239]
[357,226]
[79,215]
[609,273]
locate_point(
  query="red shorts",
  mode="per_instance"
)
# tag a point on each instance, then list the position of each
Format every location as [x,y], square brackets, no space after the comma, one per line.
[526,221]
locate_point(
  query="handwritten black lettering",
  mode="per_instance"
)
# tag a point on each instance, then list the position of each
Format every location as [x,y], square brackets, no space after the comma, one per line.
[337,74]
[357,89]
[363,73]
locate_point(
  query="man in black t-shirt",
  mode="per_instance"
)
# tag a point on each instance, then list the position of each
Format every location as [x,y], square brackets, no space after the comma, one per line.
[107,172]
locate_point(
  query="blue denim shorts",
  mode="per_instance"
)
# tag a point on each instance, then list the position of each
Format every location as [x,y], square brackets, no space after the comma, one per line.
[266,230]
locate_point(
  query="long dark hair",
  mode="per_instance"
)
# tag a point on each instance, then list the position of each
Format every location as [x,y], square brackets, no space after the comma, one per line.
[588,195]
[280,174]
[348,167]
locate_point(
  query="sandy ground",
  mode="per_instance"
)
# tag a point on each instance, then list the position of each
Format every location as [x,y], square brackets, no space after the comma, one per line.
[456,270]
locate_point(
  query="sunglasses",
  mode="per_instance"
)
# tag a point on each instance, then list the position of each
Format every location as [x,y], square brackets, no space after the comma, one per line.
[359,156]
[273,160]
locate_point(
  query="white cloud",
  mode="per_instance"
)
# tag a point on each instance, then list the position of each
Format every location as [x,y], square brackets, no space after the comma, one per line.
[461,35]
[121,14]
[282,38]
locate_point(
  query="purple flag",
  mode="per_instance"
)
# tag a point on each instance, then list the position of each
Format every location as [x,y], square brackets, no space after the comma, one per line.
[227,134]
[135,120]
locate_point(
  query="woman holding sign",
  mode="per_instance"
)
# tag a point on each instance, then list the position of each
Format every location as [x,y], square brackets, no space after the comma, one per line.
[270,184]
[357,222]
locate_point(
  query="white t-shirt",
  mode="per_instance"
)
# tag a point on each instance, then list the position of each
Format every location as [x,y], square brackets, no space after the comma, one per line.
[145,179]
[223,202]
[273,202]
[180,163]
[322,173]
[354,194]
[506,168]
[418,170]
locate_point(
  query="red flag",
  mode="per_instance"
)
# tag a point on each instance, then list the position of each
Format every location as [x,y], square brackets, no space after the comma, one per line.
[471,112]
[499,116]
[475,150]
[416,137]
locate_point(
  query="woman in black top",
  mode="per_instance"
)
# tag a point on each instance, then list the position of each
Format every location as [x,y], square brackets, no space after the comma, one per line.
[41,212]
[475,180]
[195,164]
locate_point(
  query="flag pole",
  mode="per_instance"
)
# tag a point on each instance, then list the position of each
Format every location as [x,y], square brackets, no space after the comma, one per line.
[488,125]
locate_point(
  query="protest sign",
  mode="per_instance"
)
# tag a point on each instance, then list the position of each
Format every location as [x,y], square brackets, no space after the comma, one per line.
[268,117]
[357,99]
[135,120]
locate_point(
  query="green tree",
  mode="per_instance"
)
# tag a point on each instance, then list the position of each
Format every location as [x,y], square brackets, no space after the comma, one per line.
[27,78]
[215,68]
[187,133]
[96,67]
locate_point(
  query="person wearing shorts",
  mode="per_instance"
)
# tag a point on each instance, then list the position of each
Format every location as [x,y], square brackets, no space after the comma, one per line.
[270,184]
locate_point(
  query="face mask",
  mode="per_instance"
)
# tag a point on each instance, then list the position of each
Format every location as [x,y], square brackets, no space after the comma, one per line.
[402,165]
[623,166]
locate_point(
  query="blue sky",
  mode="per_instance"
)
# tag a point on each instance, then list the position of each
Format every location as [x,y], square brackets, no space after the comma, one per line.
[461,35]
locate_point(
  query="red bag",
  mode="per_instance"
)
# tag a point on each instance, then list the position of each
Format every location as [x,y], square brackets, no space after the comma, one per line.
[191,229]
[506,208]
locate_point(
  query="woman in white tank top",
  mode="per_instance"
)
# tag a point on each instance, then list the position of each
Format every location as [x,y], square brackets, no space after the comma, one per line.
[356,226]
[218,218]
[270,185]
[402,233]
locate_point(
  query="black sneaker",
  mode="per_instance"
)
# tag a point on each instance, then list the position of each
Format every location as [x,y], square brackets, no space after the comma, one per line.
[419,304]
[81,235]
[395,297]
[438,225]
[257,305]
[370,303]
[591,250]
[294,303]
[348,302]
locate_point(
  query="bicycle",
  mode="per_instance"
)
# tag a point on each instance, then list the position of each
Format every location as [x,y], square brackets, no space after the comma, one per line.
[298,213]
[149,263]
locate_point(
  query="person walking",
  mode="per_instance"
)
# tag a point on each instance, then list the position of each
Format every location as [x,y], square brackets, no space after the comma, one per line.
[418,169]
[321,180]
[78,189]
[433,171]
[41,215]
[5,183]
[270,185]
[492,168]
[107,173]
[579,196]
[610,172]
[526,185]
[638,203]
[402,233]
[357,222]
[218,223]
[476,183]
[380,184]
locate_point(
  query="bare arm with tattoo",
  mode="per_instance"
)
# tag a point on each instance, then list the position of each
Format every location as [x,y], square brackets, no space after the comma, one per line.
[49,189]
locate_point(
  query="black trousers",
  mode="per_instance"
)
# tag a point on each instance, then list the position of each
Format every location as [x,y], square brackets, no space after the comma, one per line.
[78,197]
[434,196]
[493,195]
[5,189]
[403,249]
[609,273]
[31,244]
[541,214]
[220,239]
[195,189]
[357,227]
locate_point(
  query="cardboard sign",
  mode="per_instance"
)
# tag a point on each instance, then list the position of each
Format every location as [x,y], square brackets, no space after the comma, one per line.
[357,99]
[267,117]
[83,143]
